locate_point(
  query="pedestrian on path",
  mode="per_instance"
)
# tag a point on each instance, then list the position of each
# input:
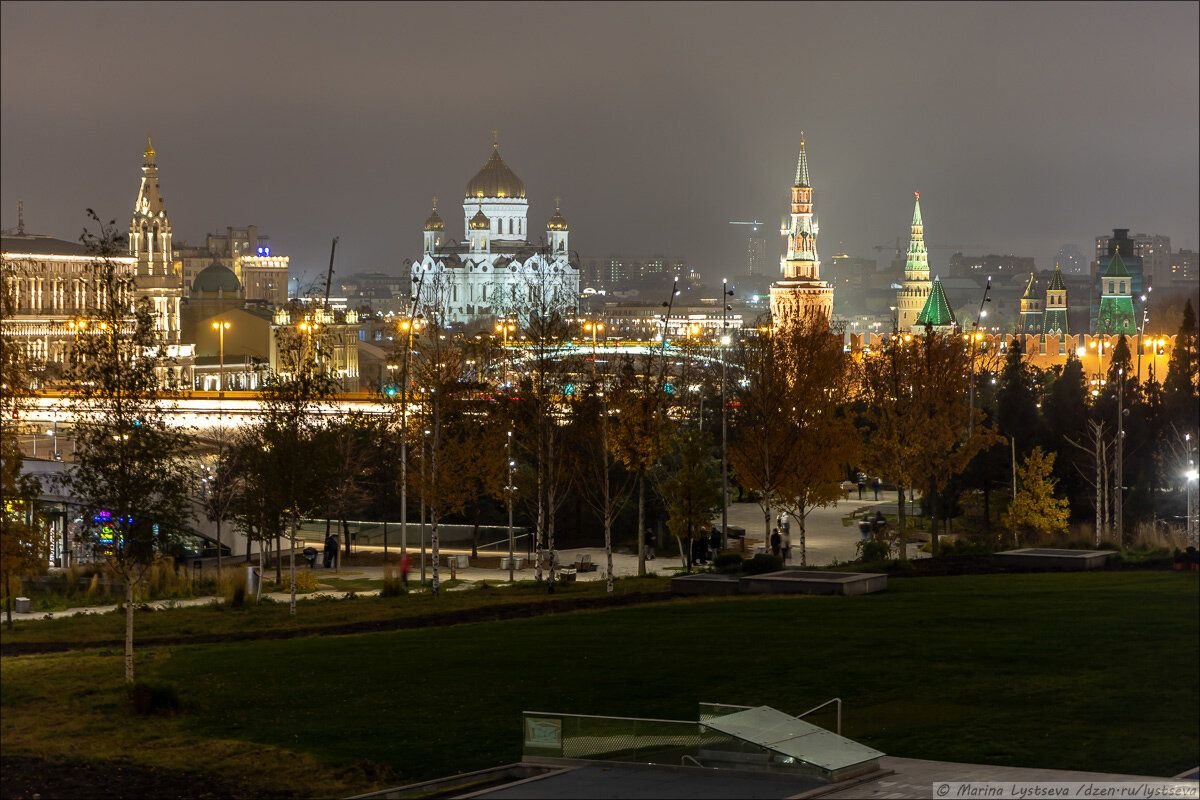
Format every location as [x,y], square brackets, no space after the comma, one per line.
[331,550]
[861,480]
[878,486]
[405,566]
[787,542]
[776,542]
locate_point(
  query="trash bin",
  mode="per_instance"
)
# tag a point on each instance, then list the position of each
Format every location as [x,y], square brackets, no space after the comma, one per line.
[864,528]
[21,605]
[253,581]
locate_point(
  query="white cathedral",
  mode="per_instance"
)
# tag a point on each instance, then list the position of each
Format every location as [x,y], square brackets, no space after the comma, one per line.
[497,271]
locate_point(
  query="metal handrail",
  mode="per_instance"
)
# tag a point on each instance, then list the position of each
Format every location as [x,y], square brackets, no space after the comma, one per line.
[687,758]
[600,716]
[502,541]
[837,700]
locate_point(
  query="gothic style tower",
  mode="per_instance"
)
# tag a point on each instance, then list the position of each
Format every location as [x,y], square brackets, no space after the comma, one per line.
[150,244]
[1054,321]
[801,293]
[910,299]
[1031,308]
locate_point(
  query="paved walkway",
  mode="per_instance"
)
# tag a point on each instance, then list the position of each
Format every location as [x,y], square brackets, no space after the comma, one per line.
[829,541]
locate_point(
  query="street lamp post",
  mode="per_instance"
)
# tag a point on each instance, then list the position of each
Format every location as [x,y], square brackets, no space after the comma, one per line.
[508,493]
[1120,502]
[220,326]
[987,290]
[1193,480]
[407,326]
[504,327]
[725,294]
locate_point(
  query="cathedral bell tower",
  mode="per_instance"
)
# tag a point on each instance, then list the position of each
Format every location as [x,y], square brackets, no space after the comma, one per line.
[435,230]
[557,232]
[800,293]
[150,244]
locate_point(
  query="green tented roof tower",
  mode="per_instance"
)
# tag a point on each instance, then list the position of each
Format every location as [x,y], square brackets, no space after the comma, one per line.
[1031,308]
[1116,300]
[1054,320]
[937,311]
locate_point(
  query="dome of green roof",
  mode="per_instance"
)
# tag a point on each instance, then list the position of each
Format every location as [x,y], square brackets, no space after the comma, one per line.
[217,277]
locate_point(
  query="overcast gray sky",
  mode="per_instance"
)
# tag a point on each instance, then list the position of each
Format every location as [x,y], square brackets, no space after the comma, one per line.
[1023,125]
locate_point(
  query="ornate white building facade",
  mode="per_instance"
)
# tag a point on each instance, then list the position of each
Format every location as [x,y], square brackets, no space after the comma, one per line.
[496,270]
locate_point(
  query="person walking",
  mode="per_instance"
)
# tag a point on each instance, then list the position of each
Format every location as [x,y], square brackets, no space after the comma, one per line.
[776,542]
[878,486]
[405,566]
[787,542]
[331,548]
[862,484]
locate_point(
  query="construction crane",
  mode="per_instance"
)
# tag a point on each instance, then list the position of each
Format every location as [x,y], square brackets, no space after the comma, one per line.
[755,223]
[329,275]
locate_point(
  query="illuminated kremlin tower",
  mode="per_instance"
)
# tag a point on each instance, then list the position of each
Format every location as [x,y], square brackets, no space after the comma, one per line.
[915,291]
[801,294]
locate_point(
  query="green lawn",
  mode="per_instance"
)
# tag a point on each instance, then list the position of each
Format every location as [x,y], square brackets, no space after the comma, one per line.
[311,615]
[1085,671]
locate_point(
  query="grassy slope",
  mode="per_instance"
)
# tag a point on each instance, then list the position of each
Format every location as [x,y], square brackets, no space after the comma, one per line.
[1091,671]
[311,615]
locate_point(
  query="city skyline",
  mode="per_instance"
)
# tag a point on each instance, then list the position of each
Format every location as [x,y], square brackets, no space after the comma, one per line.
[647,166]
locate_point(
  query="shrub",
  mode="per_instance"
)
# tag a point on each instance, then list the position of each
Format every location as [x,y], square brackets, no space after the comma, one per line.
[762,563]
[154,698]
[233,588]
[392,586]
[870,551]
[306,581]
[728,563]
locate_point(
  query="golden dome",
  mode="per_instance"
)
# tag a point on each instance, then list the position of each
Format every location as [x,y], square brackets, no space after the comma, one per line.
[558,222]
[496,180]
[435,221]
[149,153]
[480,221]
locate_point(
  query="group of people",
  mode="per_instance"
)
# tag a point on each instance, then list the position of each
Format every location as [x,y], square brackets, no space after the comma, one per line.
[781,538]
[706,547]
[861,481]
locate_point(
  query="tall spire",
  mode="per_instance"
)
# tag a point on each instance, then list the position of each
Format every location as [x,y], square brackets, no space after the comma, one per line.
[149,154]
[916,267]
[937,311]
[802,165]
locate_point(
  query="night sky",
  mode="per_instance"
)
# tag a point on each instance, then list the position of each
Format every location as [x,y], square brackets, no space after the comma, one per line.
[1024,126]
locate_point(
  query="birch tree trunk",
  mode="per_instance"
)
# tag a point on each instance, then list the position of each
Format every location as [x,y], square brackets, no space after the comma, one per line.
[129,674]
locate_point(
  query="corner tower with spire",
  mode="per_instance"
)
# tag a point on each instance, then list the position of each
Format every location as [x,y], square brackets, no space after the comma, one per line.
[150,243]
[800,293]
[1054,320]
[915,290]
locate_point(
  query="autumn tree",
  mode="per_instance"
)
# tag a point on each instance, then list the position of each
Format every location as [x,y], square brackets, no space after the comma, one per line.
[1181,389]
[760,450]
[690,488]
[1036,511]
[19,536]
[288,426]
[816,384]
[223,479]
[129,476]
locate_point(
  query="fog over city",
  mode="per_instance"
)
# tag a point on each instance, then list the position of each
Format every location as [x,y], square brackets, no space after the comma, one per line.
[1023,126]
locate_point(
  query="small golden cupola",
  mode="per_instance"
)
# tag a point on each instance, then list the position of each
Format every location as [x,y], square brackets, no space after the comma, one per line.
[557,222]
[435,221]
[480,221]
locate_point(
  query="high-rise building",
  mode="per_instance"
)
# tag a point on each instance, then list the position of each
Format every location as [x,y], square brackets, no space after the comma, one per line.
[800,293]
[1070,259]
[1184,267]
[150,244]
[262,274]
[1153,250]
[911,297]
[989,265]
[756,256]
